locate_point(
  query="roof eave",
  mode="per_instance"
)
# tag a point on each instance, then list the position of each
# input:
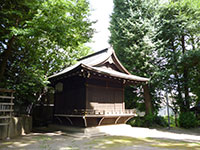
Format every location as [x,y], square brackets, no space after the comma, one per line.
[140,79]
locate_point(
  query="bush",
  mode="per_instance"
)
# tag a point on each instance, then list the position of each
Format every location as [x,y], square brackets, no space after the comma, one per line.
[136,122]
[148,121]
[187,120]
[159,120]
[172,121]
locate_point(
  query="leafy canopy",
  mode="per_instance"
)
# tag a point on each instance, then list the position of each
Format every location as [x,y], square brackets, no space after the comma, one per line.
[39,38]
[160,41]
[131,31]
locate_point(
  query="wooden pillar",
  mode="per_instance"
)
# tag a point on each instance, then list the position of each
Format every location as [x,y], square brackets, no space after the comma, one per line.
[147,99]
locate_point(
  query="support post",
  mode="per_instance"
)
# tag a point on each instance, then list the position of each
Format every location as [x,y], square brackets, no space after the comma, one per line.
[85,121]
[147,99]
[168,110]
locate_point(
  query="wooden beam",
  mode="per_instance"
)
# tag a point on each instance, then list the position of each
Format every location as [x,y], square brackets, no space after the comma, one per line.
[99,115]
[101,121]
[4,124]
[7,97]
[117,119]
[6,110]
[128,119]
[69,120]
[85,121]
[118,88]
[6,104]
[7,90]
[4,117]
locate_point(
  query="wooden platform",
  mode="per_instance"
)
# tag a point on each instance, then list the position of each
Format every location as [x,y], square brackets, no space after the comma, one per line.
[94,118]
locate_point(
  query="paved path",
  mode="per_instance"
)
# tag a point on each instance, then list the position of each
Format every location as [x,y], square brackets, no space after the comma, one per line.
[120,137]
[138,132]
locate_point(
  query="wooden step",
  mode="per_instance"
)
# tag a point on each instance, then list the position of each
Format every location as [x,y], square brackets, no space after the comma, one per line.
[6,110]
[6,104]
[7,97]
[5,117]
[3,124]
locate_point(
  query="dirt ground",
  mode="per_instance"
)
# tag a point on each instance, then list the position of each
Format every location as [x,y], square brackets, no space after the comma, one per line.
[114,138]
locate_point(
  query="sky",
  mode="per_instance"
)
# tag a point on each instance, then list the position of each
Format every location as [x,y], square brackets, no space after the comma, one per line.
[100,12]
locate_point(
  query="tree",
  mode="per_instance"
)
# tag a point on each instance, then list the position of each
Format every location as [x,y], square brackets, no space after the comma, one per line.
[160,41]
[39,38]
[191,61]
[178,36]
[131,30]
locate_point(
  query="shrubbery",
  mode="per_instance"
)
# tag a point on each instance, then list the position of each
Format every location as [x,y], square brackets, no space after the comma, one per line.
[187,120]
[173,122]
[148,121]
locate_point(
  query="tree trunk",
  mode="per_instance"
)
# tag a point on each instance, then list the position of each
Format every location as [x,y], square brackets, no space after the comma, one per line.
[185,78]
[193,43]
[147,99]
[176,119]
[5,56]
[180,98]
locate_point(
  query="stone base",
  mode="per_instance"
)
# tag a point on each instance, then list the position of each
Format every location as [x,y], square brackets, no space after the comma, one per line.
[18,126]
[88,132]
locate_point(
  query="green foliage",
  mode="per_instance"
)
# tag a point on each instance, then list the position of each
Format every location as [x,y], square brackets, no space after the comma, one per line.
[131,29]
[187,120]
[191,60]
[159,120]
[148,121]
[136,122]
[39,38]
[160,41]
[131,37]
[172,120]
[132,99]
[177,41]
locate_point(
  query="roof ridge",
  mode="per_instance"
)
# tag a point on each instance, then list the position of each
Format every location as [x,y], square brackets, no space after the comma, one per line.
[93,54]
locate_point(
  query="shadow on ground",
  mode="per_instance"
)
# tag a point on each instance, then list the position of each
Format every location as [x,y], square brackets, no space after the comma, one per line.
[48,139]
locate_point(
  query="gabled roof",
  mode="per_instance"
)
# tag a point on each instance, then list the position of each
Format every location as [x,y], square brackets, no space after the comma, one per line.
[103,62]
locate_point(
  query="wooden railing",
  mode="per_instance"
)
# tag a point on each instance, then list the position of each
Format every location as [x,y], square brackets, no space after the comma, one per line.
[100,112]
[6,106]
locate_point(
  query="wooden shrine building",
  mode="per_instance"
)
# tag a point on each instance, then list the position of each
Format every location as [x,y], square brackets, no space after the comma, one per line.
[91,92]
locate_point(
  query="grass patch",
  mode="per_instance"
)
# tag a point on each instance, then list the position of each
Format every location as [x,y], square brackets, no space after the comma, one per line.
[118,142]
[107,142]
[175,144]
[43,142]
[4,144]
[42,138]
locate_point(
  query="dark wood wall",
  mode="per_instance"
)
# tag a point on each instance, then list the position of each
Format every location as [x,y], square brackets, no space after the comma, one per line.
[104,95]
[81,93]
[72,97]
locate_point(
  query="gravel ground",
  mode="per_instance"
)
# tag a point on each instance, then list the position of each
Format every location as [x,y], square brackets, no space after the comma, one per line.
[119,137]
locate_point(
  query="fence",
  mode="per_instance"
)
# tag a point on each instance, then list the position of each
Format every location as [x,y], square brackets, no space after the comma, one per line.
[6,107]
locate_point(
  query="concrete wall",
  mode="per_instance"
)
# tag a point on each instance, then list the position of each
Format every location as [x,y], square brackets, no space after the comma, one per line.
[18,126]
